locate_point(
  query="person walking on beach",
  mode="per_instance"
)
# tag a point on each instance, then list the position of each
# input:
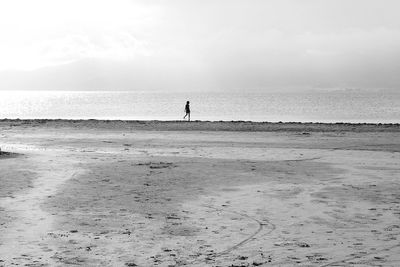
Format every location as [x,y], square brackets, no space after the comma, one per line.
[187,110]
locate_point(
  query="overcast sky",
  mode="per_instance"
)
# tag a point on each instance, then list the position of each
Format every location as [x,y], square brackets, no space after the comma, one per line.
[199,44]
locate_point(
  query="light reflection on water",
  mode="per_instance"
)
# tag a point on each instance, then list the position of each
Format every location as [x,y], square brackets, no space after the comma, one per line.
[311,106]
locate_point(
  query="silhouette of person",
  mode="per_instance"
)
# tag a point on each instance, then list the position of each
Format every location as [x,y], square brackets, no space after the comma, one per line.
[187,110]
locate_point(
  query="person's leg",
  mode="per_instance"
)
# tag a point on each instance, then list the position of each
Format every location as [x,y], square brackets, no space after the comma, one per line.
[189,116]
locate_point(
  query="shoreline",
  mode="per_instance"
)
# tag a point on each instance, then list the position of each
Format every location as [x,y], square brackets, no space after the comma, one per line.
[241,126]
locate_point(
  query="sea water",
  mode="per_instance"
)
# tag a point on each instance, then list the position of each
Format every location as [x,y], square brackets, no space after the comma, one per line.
[312,106]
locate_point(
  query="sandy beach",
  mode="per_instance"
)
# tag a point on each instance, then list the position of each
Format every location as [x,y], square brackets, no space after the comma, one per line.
[152,193]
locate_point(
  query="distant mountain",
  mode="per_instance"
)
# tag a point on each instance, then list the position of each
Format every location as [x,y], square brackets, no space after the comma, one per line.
[181,74]
[91,74]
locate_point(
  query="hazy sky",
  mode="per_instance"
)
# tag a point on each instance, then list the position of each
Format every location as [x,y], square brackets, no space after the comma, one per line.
[202,44]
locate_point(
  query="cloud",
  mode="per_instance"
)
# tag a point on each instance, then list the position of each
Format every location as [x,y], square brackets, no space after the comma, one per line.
[215,44]
[35,34]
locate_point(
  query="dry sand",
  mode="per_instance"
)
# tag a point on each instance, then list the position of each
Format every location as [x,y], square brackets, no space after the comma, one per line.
[97,193]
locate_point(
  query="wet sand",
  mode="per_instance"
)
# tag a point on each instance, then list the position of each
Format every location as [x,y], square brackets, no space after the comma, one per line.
[98,193]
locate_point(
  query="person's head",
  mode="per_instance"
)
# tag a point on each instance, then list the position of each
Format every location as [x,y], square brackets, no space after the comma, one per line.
[187,102]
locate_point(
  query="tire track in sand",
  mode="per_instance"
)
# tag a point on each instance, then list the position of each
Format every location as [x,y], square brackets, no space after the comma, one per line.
[251,237]
[261,226]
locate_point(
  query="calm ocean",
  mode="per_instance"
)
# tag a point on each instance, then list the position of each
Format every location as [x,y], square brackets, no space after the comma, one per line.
[336,106]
